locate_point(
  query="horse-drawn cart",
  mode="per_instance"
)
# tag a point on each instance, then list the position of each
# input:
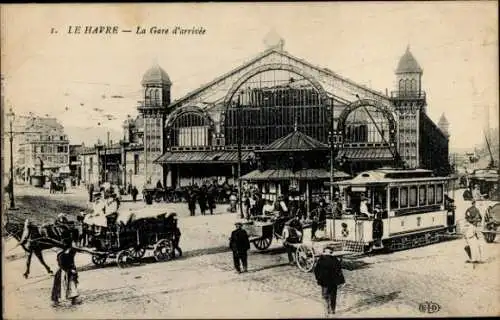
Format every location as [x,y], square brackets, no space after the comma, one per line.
[307,253]
[133,234]
[262,230]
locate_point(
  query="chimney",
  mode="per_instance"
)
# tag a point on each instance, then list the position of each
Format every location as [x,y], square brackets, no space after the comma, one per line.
[108,138]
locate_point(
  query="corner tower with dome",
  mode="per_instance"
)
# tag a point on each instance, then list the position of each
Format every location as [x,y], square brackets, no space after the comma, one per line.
[156,87]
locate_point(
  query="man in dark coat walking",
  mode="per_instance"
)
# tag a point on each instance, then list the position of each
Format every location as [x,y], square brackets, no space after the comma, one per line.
[328,273]
[239,244]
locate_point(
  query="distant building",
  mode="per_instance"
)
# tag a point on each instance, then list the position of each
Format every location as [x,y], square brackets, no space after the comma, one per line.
[195,138]
[45,140]
[75,166]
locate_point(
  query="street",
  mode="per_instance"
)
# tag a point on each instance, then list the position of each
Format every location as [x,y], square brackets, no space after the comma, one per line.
[203,284]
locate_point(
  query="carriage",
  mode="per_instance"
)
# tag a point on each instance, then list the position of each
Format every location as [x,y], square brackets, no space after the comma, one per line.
[262,229]
[130,235]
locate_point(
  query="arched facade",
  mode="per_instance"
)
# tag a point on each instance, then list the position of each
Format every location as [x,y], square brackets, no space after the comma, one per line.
[187,127]
[367,122]
[270,101]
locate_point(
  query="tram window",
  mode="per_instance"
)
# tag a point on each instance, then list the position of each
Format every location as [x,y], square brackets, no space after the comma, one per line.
[422,195]
[431,198]
[403,196]
[413,196]
[439,193]
[394,198]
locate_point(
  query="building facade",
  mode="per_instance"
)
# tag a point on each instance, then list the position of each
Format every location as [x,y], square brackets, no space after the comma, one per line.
[208,132]
[44,139]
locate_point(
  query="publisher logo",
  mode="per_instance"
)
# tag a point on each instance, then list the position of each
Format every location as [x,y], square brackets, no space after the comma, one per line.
[429,307]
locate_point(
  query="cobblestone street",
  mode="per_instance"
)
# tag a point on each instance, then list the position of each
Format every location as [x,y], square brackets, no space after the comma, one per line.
[203,283]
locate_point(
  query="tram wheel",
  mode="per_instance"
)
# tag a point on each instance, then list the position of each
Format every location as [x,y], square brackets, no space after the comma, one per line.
[262,243]
[305,258]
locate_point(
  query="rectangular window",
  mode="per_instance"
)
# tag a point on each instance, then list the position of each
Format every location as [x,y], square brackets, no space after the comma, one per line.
[91,164]
[394,198]
[136,163]
[422,196]
[439,194]
[403,197]
[431,199]
[42,149]
[412,198]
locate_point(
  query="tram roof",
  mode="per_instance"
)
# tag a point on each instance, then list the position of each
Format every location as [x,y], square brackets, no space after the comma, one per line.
[387,176]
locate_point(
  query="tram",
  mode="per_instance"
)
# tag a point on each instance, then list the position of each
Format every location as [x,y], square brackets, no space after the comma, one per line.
[406,209]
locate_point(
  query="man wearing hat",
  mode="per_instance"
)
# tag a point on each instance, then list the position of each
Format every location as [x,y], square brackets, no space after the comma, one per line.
[471,235]
[328,273]
[239,244]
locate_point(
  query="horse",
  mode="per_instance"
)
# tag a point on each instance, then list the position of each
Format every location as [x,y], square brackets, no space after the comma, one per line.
[57,186]
[33,241]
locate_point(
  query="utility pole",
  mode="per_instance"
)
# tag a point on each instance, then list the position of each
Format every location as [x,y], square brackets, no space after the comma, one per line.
[240,194]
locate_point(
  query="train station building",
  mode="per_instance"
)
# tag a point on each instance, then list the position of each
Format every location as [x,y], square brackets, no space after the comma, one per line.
[280,101]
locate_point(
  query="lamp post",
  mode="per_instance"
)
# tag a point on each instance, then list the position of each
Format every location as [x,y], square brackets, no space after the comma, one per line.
[11,117]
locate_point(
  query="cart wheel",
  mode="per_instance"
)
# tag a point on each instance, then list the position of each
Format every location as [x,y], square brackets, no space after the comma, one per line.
[137,253]
[262,243]
[163,250]
[123,258]
[305,258]
[489,237]
[99,260]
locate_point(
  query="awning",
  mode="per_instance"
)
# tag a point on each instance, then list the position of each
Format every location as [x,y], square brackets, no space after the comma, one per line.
[366,154]
[203,157]
[286,174]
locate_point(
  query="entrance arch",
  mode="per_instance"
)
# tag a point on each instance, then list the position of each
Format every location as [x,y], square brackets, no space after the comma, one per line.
[367,121]
[189,126]
[270,101]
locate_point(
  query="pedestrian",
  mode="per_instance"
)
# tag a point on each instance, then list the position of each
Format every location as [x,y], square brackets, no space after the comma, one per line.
[191,199]
[211,198]
[318,218]
[239,244]
[91,192]
[232,202]
[292,234]
[134,192]
[65,286]
[202,199]
[471,234]
[328,273]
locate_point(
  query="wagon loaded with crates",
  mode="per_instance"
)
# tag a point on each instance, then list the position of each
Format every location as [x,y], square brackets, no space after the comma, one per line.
[130,235]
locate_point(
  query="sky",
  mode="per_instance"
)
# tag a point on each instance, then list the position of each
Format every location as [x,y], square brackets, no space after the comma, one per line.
[67,76]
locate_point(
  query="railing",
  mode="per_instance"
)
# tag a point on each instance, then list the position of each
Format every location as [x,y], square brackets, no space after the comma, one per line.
[408,94]
[151,104]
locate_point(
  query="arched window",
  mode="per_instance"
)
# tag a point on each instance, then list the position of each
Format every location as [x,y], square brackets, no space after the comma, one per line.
[156,96]
[190,129]
[407,85]
[363,125]
[414,85]
[271,104]
[401,85]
